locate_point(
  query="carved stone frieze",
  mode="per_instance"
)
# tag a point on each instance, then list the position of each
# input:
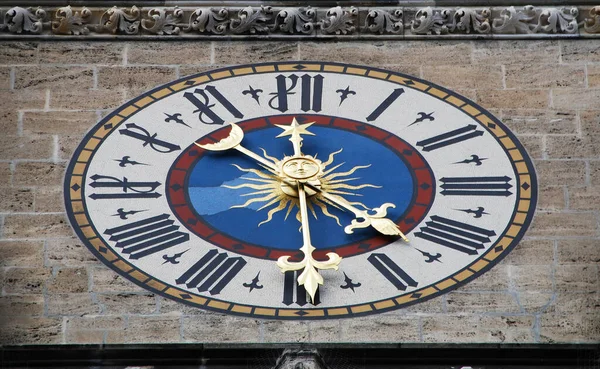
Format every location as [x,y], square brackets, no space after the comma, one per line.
[302,22]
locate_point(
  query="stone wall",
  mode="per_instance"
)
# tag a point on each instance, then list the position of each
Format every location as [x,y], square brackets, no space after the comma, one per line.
[54,291]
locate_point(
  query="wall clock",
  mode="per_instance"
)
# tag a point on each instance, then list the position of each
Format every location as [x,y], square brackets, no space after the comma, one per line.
[337,191]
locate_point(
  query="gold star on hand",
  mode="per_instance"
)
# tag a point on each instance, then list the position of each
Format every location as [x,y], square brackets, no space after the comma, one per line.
[295,128]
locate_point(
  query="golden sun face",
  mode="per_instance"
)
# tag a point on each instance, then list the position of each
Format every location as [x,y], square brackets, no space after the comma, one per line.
[272,190]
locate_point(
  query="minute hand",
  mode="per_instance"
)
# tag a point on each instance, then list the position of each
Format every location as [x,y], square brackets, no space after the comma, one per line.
[377,220]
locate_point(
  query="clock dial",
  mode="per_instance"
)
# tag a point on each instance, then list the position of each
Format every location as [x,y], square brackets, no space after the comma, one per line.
[168,194]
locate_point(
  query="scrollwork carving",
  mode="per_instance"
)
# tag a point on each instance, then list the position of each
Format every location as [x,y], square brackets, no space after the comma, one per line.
[555,20]
[163,23]
[251,21]
[467,20]
[295,20]
[71,23]
[429,21]
[339,21]
[18,20]
[208,20]
[592,25]
[123,21]
[381,21]
[512,21]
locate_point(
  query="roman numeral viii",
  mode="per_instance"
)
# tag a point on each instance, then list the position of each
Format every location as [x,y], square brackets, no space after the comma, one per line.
[476,186]
[455,235]
[212,272]
[391,271]
[147,236]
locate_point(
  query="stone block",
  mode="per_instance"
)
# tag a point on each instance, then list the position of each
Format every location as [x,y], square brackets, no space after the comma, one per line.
[25,280]
[575,98]
[218,328]
[134,77]
[127,303]
[85,99]
[68,144]
[80,304]
[172,307]
[571,328]
[577,278]
[9,122]
[561,172]
[529,121]
[38,174]
[530,75]
[175,52]
[99,53]
[513,99]
[481,302]
[95,323]
[16,200]
[495,279]
[477,329]
[148,329]
[535,302]
[584,198]
[571,147]
[25,305]
[531,252]
[30,330]
[516,52]
[4,78]
[49,200]
[44,76]
[107,280]
[19,53]
[13,147]
[579,52]
[576,303]
[555,224]
[84,337]
[22,99]
[325,331]
[21,253]
[534,146]
[68,252]
[68,280]
[593,75]
[5,174]
[527,278]
[36,226]
[58,122]
[549,198]
[285,331]
[382,328]
[578,251]
[431,306]
[232,53]
[595,172]
[389,52]
[463,76]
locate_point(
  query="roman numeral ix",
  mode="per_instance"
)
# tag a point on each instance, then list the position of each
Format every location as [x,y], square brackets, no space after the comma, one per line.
[458,236]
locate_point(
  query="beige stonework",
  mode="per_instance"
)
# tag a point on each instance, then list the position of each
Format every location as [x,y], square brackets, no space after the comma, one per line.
[53,290]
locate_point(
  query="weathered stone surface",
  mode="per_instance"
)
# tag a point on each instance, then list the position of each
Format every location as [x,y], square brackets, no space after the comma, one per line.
[576,303]
[188,70]
[44,76]
[14,100]
[84,337]
[516,52]
[285,331]
[5,174]
[232,53]
[571,147]
[577,278]
[595,172]
[25,280]
[534,145]
[21,253]
[68,144]
[564,224]
[38,174]
[16,199]
[68,252]
[19,53]
[551,198]
[578,52]
[325,331]
[4,78]
[572,98]
[71,304]
[578,251]
[496,302]
[57,122]
[25,305]
[531,277]
[85,100]
[134,77]
[36,226]
[561,172]
[32,330]
[13,147]
[535,302]
[530,121]
[127,303]
[495,279]
[571,328]
[392,328]
[531,252]
[513,99]
[95,323]
[49,200]
[544,75]
[68,280]
[593,75]
[463,76]
[107,280]
[584,198]
[475,329]
[219,328]
[175,52]
[81,52]
[147,330]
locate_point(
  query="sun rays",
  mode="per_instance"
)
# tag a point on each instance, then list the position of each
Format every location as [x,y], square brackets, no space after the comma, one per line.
[268,189]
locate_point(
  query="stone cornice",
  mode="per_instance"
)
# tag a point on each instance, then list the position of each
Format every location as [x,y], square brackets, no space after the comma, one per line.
[271,22]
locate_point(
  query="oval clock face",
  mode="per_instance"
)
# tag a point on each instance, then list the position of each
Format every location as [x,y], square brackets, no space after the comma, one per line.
[407,189]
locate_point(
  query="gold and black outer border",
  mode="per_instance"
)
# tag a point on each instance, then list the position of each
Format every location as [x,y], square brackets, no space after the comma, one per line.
[526,192]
